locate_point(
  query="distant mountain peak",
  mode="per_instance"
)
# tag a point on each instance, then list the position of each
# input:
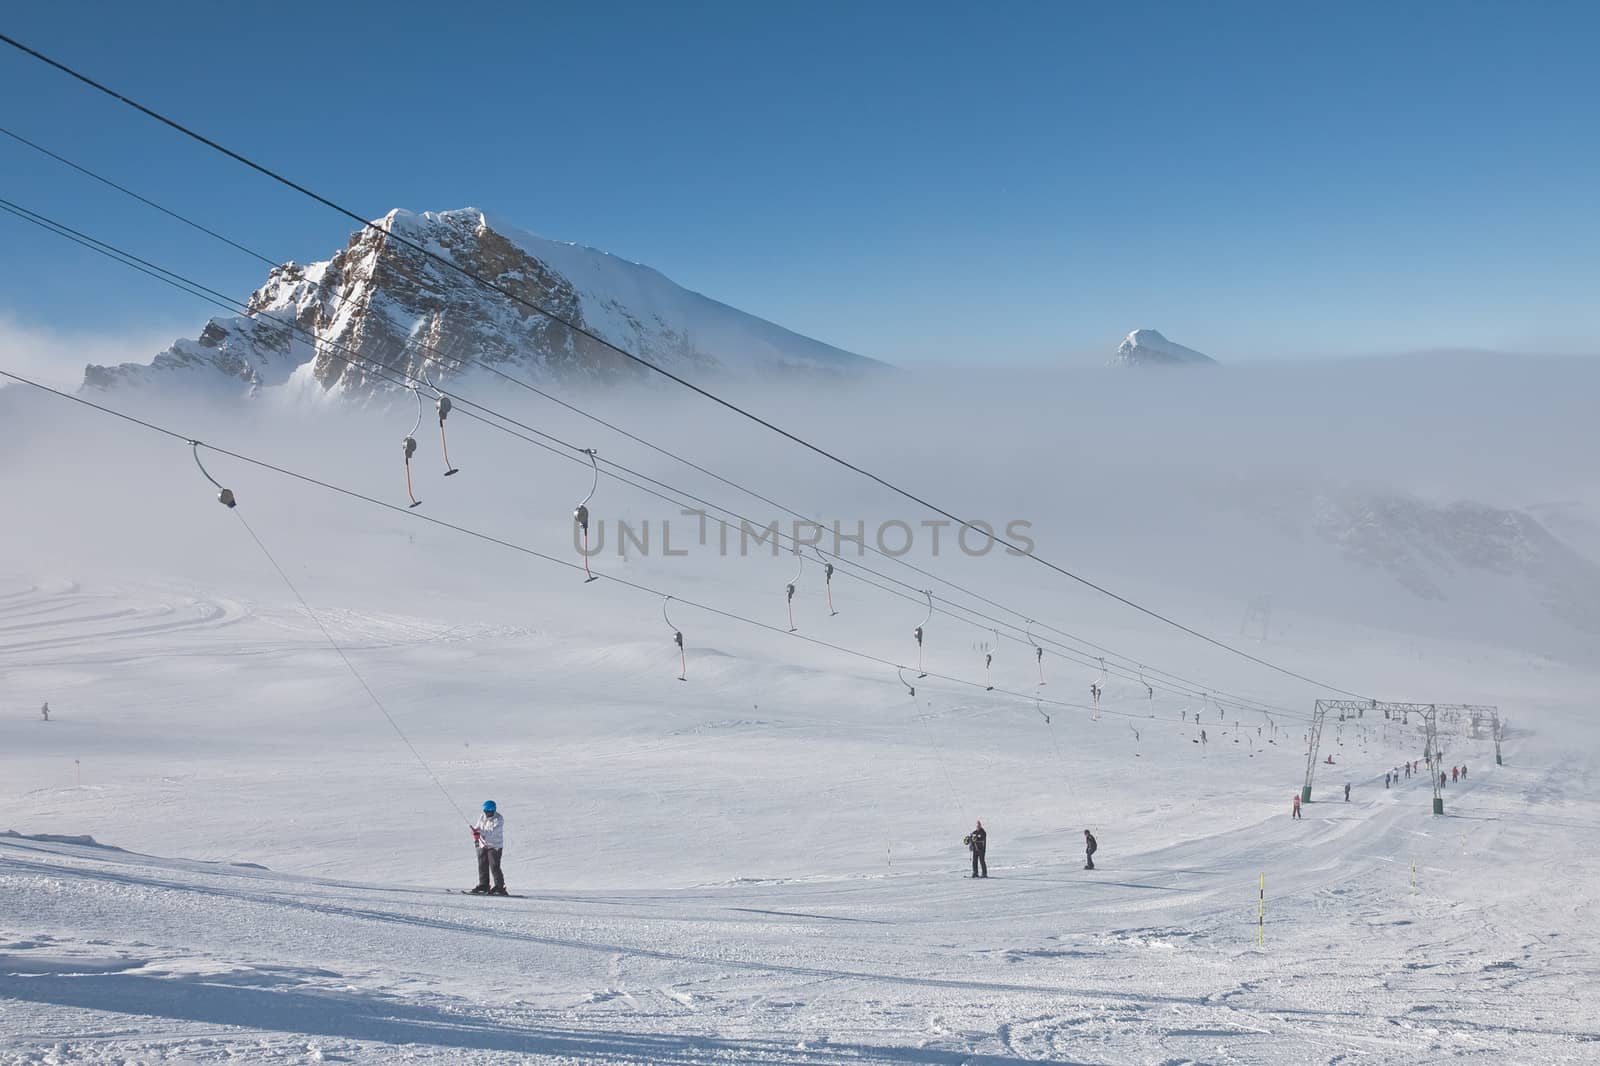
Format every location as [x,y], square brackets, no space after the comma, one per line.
[380,308]
[1147,347]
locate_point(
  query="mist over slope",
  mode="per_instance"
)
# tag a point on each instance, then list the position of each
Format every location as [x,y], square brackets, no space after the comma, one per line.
[1403,495]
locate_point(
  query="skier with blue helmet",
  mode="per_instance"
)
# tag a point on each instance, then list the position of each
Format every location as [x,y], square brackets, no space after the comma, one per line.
[490,837]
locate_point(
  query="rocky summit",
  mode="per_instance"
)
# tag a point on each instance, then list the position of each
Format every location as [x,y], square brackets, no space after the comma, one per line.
[1147,347]
[383,307]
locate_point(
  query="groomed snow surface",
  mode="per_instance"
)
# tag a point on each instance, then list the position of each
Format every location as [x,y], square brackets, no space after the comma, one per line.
[222,853]
[216,730]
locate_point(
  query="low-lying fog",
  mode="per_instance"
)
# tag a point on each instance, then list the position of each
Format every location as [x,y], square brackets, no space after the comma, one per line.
[1440,496]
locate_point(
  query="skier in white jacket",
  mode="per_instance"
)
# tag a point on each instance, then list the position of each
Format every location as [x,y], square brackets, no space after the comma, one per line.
[490,836]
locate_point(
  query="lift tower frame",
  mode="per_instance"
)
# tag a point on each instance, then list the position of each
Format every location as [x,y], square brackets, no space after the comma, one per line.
[1432,714]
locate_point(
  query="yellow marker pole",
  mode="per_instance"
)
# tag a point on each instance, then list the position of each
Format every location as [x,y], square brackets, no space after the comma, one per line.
[1261,914]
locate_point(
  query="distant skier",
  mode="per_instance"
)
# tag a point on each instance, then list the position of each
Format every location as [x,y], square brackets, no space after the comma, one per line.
[1386,779]
[1463,771]
[1295,812]
[1090,846]
[1455,774]
[1442,778]
[1347,792]
[490,837]
[45,710]
[977,842]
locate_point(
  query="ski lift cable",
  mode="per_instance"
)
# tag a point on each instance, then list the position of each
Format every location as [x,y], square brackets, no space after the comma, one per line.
[449,264]
[251,252]
[724,517]
[213,296]
[226,497]
[384,373]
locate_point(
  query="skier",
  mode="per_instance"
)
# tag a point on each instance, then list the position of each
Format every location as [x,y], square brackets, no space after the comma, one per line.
[1463,771]
[1386,780]
[1089,848]
[1455,774]
[490,837]
[1408,770]
[978,842]
[1442,778]
[45,710]
[1296,811]
[1347,792]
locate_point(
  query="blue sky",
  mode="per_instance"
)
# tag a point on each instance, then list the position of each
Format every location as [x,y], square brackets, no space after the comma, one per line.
[923,183]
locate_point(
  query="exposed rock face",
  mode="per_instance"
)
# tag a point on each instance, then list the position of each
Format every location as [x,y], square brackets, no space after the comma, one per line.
[1146,347]
[380,303]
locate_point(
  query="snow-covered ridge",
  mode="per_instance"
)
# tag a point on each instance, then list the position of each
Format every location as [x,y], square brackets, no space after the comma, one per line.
[1428,549]
[381,303]
[1147,347]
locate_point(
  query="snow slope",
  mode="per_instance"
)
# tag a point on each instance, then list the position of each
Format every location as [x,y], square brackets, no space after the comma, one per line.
[749,915]
[761,864]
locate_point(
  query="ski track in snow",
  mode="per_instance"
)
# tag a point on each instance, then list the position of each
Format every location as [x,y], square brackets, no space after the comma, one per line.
[793,893]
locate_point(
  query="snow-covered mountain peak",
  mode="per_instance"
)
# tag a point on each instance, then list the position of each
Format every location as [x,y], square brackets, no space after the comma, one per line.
[1147,347]
[381,307]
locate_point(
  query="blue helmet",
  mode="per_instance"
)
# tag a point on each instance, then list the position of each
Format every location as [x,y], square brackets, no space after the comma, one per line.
[488,806]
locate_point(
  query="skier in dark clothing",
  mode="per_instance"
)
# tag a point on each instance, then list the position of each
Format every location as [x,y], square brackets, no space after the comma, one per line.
[1090,845]
[1347,792]
[978,841]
